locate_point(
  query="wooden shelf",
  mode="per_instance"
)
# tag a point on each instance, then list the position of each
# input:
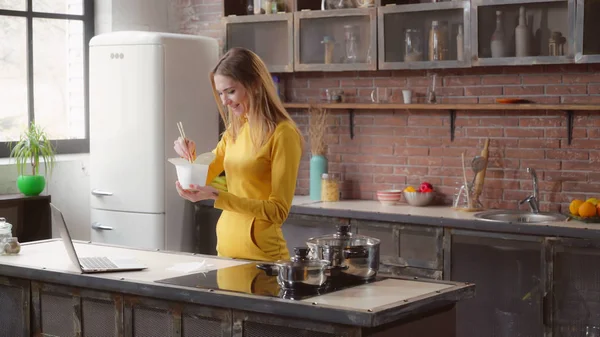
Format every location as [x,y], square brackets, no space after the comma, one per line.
[379,106]
[451,108]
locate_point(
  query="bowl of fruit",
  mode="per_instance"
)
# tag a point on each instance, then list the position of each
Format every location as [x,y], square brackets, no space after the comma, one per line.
[419,197]
[586,211]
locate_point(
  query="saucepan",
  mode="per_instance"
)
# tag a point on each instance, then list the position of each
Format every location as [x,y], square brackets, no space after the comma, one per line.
[299,271]
[351,254]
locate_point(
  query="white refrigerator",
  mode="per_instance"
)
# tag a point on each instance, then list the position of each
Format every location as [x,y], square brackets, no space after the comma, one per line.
[141,85]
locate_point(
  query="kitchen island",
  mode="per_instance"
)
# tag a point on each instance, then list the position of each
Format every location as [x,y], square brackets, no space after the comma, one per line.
[49,296]
[537,279]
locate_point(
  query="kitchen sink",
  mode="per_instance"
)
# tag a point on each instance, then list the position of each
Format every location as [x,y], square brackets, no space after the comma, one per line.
[517,216]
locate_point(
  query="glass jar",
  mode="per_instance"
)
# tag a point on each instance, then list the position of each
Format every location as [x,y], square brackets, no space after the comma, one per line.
[330,187]
[5,231]
[413,45]
[12,247]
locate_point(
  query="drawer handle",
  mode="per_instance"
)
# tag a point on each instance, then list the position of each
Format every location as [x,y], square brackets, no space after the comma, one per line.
[98,226]
[101,193]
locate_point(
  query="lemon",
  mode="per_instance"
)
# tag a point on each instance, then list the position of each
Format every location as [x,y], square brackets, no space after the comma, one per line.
[574,206]
[587,210]
[593,201]
[410,189]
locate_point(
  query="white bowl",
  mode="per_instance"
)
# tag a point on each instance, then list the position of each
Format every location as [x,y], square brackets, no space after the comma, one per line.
[389,197]
[418,198]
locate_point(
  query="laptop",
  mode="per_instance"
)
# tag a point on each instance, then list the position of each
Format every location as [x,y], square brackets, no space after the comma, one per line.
[93,264]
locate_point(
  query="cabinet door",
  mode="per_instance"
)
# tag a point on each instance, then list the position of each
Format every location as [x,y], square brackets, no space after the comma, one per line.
[406,250]
[14,299]
[64,311]
[146,317]
[508,274]
[246,324]
[575,287]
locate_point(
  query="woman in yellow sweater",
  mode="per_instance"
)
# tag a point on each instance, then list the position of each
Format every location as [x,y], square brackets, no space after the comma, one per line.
[260,152]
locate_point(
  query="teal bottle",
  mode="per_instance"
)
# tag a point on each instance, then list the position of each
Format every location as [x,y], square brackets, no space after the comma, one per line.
[318,166]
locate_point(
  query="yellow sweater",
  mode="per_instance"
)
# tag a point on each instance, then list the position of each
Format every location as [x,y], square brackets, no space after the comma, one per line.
[261,187]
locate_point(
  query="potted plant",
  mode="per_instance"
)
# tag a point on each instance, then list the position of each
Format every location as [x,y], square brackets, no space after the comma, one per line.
[32,146]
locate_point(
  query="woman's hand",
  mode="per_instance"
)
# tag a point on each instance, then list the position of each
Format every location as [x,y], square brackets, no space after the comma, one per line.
[196,193]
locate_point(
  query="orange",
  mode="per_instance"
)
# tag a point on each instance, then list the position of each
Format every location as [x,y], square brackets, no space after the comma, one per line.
[574,206]
[587,209]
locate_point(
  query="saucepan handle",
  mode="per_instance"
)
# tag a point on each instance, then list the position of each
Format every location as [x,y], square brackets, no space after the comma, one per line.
[270,269]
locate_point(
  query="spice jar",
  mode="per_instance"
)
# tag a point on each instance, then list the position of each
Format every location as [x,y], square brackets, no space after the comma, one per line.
[329,43]
[12,247]
[330,187]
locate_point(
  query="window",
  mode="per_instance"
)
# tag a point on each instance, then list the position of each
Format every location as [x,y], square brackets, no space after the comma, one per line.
[43,70]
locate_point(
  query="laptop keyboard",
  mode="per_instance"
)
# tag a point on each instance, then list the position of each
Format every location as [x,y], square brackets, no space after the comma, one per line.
[97,263]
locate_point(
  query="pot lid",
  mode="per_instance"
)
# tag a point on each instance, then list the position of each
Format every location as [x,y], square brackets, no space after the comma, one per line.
[343,237]
[302,259]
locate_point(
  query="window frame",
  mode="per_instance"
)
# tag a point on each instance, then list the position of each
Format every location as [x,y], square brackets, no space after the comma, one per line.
[63,146]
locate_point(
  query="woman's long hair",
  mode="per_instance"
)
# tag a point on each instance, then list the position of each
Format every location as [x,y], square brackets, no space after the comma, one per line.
[264,109]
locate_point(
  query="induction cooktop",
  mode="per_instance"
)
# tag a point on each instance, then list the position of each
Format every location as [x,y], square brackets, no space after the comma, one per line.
[247,278]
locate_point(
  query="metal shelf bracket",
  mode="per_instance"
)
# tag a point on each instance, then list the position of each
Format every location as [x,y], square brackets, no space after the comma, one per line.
[570,119]
[452,123]
[351,122]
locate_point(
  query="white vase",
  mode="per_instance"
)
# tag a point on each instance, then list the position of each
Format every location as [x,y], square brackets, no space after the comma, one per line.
[497,43]
[522,36]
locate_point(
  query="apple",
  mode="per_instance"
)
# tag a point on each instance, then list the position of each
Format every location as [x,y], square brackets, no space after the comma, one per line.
[425,186]
[426,190]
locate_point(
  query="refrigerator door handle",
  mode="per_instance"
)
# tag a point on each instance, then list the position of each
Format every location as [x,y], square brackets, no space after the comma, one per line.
[98,226]
[101,193]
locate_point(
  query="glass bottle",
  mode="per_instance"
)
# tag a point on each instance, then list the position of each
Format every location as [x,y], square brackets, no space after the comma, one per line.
[497,43]
[435,42]
[351,43]
[413,46]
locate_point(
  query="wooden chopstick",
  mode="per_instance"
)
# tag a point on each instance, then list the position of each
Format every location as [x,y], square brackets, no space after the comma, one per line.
[181,132]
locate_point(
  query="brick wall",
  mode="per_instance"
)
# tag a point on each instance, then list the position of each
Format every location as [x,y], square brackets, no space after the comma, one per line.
[392,149]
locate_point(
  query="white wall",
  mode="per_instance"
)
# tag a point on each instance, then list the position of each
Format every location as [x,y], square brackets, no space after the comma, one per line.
[69,185]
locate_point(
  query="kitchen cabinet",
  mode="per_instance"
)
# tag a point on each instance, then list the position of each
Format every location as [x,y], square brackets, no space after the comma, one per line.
[587,26]
[269,36]
[508,271]
[404,35]
[575,287]
[95,313]
[380,33]
[406,250]
[495,23]
[298,228]
[29,216]
[335,40]
[205,218]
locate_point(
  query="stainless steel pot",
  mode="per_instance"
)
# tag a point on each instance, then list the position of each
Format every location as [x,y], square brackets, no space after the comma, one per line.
[352,255]
[299,271]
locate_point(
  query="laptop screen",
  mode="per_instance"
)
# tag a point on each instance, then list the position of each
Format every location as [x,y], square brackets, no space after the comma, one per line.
[59,222]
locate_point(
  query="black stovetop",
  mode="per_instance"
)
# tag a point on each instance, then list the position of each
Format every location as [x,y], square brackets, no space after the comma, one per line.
[247,278]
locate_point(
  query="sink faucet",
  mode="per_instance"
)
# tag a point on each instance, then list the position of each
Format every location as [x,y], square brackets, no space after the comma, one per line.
[533,200]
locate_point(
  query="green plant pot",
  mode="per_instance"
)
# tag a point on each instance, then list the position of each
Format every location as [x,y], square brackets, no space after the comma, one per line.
[31,185]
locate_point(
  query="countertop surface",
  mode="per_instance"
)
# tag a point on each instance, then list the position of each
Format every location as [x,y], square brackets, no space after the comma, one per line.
[48,261]
[443,216]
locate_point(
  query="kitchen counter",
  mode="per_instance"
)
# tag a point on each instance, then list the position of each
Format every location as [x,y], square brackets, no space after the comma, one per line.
[365,306]
[441,216]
